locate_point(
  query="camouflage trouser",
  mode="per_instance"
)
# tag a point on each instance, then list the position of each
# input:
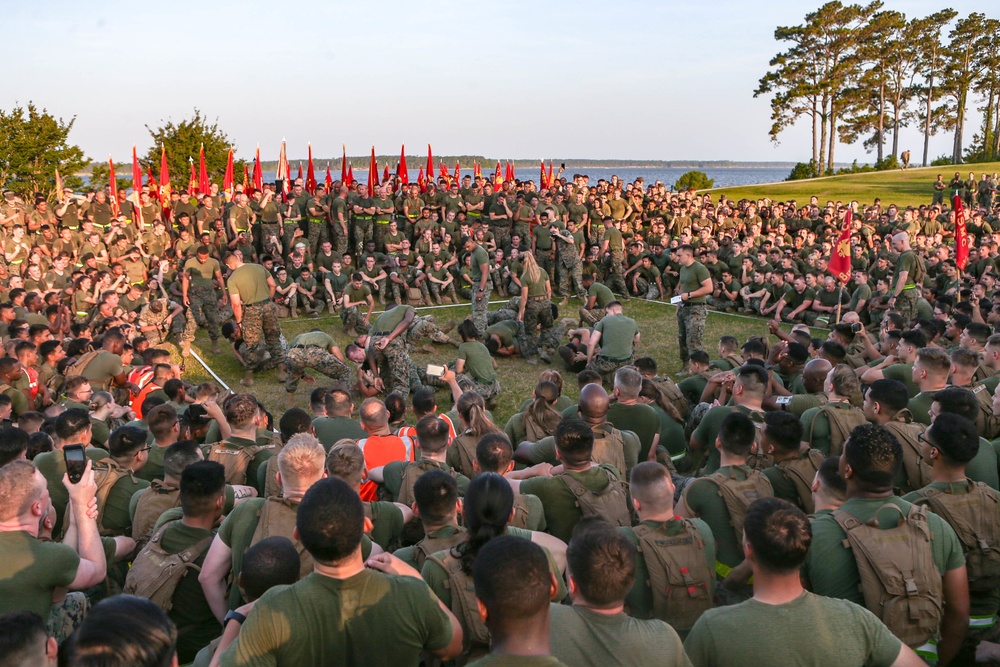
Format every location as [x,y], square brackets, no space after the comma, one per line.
[607,366]
[720,303]
[401,294]
[506,312]
[311,356]
[486,390]
[545,261]
[571,275]
[203,312]
[646,289]
[363,231]
[267,232]
[288,234]
[437,291]
[262,334]
[319,231]
[378,290]
[537,312]
[339,238]
[380,228]
[353,318]
[753,304]
[906,304]
[480,306]
[616,277]
[424,327]
[393,363]
[690,328]
[501,234]
[67,616]
[592,316]
[308,302]
[810,316]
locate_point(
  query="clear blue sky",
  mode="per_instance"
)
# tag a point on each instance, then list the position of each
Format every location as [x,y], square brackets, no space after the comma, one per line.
[519,79]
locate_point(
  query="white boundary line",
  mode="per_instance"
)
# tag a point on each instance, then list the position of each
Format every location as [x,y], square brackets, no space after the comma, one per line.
[210,371]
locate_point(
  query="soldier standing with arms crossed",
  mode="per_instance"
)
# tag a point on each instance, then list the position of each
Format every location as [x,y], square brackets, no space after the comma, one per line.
[251,290]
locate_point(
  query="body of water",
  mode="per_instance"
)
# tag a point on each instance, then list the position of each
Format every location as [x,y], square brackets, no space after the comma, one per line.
[729,177]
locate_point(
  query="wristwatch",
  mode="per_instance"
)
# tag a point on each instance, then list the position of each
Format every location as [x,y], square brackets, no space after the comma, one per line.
[234,615]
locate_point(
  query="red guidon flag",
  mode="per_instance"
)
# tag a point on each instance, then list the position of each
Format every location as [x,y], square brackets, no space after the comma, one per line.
[840,261]
[116,208]
[258,172]
[430,164]
[329,179]
[372,174]
[204,187]
[458,172]
[310,173]
[422,181]
[229,179]
[961,235]
[343,165]
[497,177]
[164,182]
[544,179]
[401,171]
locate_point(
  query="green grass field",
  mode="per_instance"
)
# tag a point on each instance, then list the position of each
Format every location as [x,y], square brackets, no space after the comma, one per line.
[657,324]
[903,188]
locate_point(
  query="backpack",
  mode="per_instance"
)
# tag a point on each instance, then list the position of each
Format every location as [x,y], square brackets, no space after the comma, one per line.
[610,503]
[412,471]
[151,505]
[83,361]
[801,471]
[463,604]
[235,459]
[985,414]
[739,494]
[899,579]
[276,517]
[842,422]
[673,395]
[520,519]
[533,431]
[423,549]
[155,574]
[976,520]
[465,448]
[106,475]
[609,448]
[679,578]
[918,471]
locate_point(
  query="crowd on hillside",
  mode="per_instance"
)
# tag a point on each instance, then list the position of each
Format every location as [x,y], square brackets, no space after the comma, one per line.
[824,495]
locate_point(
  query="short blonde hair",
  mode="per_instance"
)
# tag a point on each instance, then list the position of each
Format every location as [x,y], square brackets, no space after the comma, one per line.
[301,459]
[18,488]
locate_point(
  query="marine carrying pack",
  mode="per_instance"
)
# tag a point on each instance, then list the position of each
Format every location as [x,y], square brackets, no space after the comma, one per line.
[235,459]
[276,517]
[155,574]
[679,577]
[476,636]
[842,422]
[899,579]
[153,502]
[610,503]
[917,470]
[423,549]
[609,447]
[413,471]
[801,470]
[976,520]
[106,475]
[739,494]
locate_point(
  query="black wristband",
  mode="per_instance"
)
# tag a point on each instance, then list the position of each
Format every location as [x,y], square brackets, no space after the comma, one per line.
[234,615]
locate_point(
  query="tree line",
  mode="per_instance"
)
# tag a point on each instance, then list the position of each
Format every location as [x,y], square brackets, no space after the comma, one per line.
[861,72]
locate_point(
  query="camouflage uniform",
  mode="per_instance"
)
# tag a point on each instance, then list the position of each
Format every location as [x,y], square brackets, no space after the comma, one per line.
[435,290]
[354,319]
[262,334]
[469,383]
[409,276]
[480,306]
[299,358]
[425,327]
[616,276]
[592,316]
[149,318]
[203,312]
[67,616]
[606,366]
[691,328]
[570,269]
[319,229]
[646,289]
[364,231]
[538,311]
[393,361]
[506,312]
[906,303]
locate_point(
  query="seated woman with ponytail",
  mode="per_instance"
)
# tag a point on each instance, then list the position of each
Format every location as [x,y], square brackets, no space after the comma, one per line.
[538,419]
[476,422]
[105,417]
[487,509]
[672,443]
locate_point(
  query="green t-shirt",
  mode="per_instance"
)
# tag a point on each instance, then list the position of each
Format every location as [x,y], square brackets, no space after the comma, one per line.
[201,274]
[197,625]
[585,638]
[602,292]
[617,334]
[31,570]
[639,600]
[479,257]
[249,283]
[506,330]
[809,630]
[392,475]
[391,319]
[816,425]
[387,523]
[691,278]
[102,368]
[692,388]
[561,509]
[920,405]
[478,362]
[331,429]
[116,513]
[830,566]
[702,497]
[338,282]
[708,430]
[640,419]
[903,373]
[370,619]
[317,338]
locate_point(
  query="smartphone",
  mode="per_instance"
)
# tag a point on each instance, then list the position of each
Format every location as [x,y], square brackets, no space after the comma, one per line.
[76,462]
[562,166]
[783,400]
[435,370]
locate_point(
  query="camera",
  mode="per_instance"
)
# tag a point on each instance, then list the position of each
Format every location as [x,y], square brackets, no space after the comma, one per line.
[856,327]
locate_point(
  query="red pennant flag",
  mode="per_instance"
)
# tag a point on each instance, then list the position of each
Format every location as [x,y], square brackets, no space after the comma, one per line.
[154,190]
[204,186]
[350,176]
[458,173]
[372,174]
[401,169]
[136,187]
[477,170]
[246,178]
[193,179]
[228,181]
[840,262]
[430,164]
[513,172]
[497,177]
[552,180]
[299,178]
[164,179]
[961,235]
[421,181]
[329,179]
[310,174]
[258,172]
[284,171]
[544,179]
[116,208]
[343,165]
[385,173]
[509,173]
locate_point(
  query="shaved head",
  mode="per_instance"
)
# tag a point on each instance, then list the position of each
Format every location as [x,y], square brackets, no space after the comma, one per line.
[594,401]
[814,374]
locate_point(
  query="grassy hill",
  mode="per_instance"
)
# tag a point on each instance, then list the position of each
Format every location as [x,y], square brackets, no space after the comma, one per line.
[903,188]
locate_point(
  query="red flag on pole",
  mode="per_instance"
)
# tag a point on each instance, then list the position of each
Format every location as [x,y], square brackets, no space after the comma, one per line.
[310,173]
[343,165]
[136,189]
[164,180]
[477,170]
[385,173]
[284,170]
[552,180]
[258,172]
[203,184]
[422,181]
[228,181]
[497,177]
[840,262]
[401,170]
[544,179]
[961,235]
[116,209]
[443,173]
[372,174]
[192,180]
[513,172]
[458,173]
[154,190]
[509,173]
[350,176]
[246,178]
[329,179]
[430,164]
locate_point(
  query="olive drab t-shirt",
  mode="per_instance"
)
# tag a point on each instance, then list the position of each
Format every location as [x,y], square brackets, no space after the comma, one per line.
[602,292]
[479,257]
[201,274]
[249,283]
[390,319]
[617,334]
[478,362]
[31,569]
[691,278]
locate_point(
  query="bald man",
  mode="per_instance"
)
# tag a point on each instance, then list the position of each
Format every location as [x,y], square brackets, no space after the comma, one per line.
[813,376]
